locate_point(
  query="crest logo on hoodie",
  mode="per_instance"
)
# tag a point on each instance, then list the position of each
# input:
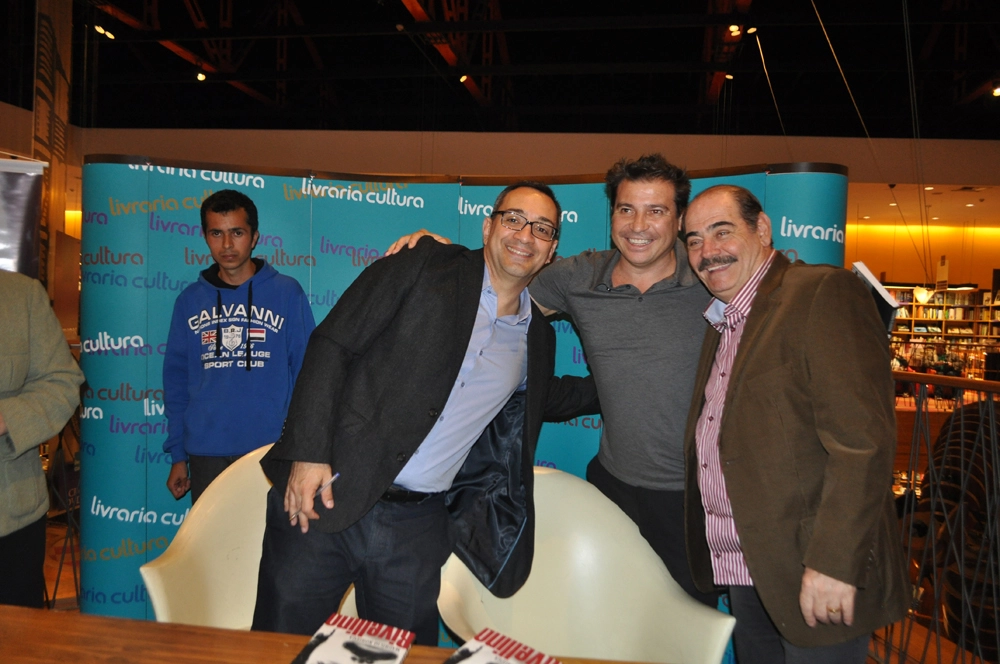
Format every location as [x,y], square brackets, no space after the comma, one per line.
[232,337]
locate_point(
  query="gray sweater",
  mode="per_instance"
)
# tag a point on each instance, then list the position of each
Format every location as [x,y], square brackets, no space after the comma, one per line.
[643,350]
[39,390]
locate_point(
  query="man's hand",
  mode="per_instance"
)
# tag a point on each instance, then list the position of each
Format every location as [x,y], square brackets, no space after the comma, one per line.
[825,599]
[411,241]
[303,482]
[178,481]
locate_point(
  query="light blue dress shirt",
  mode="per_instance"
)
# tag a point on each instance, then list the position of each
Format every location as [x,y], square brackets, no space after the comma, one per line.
[495,365]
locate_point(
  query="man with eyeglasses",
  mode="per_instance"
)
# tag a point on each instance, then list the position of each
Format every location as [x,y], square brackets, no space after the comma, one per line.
[424,389]
[638,308]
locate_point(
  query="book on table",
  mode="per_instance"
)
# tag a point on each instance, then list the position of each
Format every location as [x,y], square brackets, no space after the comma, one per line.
[346,640]
[490,647]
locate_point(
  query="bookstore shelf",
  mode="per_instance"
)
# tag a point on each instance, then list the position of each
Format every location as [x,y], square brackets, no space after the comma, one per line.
[948,332]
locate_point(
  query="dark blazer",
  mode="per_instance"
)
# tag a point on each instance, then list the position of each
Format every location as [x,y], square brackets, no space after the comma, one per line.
[376,375]
[807,441]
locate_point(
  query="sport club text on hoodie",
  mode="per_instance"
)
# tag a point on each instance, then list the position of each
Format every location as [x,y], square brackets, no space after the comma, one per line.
[232,357]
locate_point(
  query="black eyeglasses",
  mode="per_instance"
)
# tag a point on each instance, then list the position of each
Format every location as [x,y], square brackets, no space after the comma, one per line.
[515,221]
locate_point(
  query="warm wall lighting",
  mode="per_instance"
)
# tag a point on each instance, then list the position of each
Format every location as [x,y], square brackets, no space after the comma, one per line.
[463,79]
[201,76]
[922,295]
[74,219]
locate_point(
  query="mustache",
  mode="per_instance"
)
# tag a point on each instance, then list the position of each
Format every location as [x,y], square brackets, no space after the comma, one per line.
[715,260]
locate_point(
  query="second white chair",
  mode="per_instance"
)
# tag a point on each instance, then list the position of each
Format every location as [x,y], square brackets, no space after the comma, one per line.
[596,590]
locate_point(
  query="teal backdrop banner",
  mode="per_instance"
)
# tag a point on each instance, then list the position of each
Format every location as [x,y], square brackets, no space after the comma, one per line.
[142,244]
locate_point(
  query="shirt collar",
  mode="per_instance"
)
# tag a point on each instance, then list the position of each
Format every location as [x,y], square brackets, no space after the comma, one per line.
[523,314]
[721,314]
[683,275]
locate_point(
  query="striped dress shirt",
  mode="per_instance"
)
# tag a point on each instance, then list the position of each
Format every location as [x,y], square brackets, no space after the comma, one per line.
[729,567]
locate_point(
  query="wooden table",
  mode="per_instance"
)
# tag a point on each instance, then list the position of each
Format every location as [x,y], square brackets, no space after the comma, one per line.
[37,635]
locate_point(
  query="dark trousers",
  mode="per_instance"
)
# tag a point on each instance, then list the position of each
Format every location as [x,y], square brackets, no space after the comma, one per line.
[22,563]
[660,517]
[757,641]
[393,556]
[204,470]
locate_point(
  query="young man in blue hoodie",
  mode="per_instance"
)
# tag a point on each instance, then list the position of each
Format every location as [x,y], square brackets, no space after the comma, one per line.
[236,342]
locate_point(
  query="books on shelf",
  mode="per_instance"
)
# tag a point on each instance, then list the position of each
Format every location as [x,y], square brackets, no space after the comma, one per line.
[346,639]
[489,647]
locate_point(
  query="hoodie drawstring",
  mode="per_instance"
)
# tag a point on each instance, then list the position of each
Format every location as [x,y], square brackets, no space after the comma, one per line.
[249,322]
[218,324]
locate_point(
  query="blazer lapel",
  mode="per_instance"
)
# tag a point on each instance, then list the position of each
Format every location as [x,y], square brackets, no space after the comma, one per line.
[763,306]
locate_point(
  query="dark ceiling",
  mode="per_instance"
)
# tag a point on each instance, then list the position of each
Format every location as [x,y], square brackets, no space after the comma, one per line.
[542,66]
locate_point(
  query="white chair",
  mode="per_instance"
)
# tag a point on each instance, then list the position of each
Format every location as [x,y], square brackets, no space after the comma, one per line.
[596,590]
[208,574]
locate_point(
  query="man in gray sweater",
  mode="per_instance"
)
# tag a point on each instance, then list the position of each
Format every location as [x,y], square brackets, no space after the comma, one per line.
[638,308]
[39,390]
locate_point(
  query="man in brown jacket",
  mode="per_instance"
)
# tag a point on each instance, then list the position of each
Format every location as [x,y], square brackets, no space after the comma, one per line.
[789,445]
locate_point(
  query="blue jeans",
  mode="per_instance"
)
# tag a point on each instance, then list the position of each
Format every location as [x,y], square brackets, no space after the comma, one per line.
[393,556]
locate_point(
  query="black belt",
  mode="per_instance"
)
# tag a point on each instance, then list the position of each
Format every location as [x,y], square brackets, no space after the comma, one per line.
[397,494]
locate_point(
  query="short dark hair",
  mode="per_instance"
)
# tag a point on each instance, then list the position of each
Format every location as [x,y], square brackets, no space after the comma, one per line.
[228,200]
[540,187]
[644,169]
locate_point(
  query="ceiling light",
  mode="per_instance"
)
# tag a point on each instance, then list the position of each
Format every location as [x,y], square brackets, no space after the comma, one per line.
[734,28]
[99,29]
[750,31]
[729,77]
[108,35]
[996,91]
[970,205]
[928,188]
[892,205]
[735,33]
[935,218]
[866,217]
[463,79]
[201,76]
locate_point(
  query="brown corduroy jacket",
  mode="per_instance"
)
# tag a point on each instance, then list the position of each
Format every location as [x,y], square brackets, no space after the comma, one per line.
[806,444]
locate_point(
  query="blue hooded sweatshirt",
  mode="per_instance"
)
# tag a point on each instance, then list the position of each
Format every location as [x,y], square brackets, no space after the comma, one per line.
[217,404]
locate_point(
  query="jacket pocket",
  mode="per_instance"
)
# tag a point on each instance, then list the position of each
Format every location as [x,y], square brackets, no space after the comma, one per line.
[13,372]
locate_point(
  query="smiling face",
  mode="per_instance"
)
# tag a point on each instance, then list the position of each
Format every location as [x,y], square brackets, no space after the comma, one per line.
[517,256]
[644,225]
[722,247]
[231,242]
